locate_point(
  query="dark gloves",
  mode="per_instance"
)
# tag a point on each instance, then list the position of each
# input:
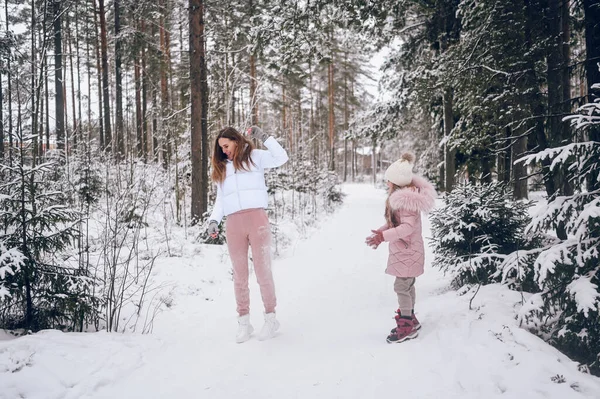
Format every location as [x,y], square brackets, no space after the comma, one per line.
[257,133]
[375,239]
[213,229]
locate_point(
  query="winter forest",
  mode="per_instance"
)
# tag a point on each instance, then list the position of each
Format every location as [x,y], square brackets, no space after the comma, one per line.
[110,109]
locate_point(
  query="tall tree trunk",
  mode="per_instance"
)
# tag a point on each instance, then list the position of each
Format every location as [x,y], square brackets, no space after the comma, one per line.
[138,107]
[101,135]
[566,81]
[9,88]
[105,88]
[146,145]
[311,118]
[592,71]
[592,48]
[47,102]
[331,116]
[155,147]
[71,68]
[164,88]
[66,111]
[78,60]
[346,116]
[253,98]
[34,146]
[554,73]
[558,130]
[449,154]
[374,160]
[199,99]
[88,66]
[37,123]
[59,118]
[1,121]
[534,98]
[119,131]
[518,149]
[284,126]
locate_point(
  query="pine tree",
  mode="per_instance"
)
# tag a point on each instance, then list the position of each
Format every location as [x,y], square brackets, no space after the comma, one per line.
[567,270]
[44,290]
[477,233]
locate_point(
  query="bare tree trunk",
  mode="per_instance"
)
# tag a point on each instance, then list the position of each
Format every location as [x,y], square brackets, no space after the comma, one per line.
[566,80]
[554,79]
[101,135]
[311,119]
[283,109]
[354,160]
[1,121]
[374,160]
[449,154]
[33,82]
[9,87]
[592,46]
[70,44]
[199,99]
[120,151]
[146,143]
[47,103]
[105,88]
[164,89]
[37,124]
[253,98]
[519,148]
[155,147]
[331,117]
[58,79]
[78,58]
[88,66]
[346,115]
[138,108]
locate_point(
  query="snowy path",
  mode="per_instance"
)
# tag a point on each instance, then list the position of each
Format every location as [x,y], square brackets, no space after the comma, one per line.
[335,307]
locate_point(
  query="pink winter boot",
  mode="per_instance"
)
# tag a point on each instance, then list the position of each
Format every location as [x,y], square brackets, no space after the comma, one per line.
[416,323]
[404,331]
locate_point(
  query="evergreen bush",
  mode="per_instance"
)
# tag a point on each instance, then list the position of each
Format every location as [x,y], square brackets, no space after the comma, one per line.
[567,271]
[477,236]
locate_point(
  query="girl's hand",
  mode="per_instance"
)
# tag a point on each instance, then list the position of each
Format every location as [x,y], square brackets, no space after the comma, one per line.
[375,239]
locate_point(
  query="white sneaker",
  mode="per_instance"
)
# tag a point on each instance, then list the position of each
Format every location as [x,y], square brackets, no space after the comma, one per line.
[269,328]
[244,329]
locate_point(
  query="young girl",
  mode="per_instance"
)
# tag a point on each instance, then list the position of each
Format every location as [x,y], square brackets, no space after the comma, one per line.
[409,195]
[238,171]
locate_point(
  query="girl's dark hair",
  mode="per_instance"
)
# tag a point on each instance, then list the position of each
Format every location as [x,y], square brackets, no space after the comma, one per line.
[241,155]
[390,218]
[390,215]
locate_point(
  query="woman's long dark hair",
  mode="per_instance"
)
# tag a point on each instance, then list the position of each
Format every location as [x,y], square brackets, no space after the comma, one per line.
[241,155]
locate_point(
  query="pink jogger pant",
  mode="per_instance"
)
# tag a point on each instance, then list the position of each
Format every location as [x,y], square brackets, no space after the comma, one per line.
[243,228]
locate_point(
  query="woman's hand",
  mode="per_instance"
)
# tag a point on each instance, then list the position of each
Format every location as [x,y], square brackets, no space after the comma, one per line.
[213,229]
[257,133]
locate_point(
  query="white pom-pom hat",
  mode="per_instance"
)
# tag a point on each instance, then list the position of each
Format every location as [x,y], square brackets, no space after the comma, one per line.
[401,172]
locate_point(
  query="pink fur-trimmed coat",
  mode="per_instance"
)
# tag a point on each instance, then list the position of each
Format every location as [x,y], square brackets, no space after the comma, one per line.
[407,251]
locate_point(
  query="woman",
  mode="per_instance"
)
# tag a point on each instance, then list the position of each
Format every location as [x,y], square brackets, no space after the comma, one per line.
[238,171]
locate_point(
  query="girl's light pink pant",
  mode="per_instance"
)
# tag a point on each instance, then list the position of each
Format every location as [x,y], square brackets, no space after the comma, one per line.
[251,227]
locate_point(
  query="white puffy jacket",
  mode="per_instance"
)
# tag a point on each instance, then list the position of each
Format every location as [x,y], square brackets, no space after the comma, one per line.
[243,189]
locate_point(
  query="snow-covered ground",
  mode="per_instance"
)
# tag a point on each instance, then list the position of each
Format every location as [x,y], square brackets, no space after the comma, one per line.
[335,306]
